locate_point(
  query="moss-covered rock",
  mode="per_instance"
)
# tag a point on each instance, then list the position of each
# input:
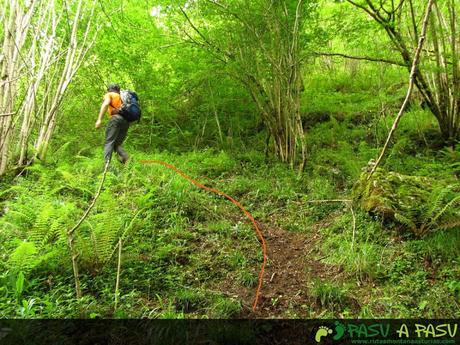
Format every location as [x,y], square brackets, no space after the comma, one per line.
[419,204]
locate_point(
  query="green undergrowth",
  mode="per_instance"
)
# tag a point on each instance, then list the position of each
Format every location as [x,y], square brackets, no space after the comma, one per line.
[181,245]
[395,276]
[186,253]
[184,250]
[189,253]
[420,204]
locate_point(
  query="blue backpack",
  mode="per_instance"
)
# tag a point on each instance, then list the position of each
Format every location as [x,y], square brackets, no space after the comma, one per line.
[130,109]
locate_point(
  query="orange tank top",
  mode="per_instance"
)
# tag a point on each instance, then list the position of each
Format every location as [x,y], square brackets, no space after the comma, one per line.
[115,101]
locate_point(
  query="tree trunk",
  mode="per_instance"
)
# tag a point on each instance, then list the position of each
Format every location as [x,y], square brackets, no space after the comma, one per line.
[37,64]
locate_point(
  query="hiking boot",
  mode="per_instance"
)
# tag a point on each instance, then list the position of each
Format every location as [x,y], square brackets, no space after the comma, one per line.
[123,160]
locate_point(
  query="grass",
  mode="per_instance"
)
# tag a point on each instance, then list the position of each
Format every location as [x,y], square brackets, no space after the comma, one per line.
[329,295]
[186,243]
[187,250]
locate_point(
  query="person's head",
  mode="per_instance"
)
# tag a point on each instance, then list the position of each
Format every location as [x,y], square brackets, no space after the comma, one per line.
[113,88]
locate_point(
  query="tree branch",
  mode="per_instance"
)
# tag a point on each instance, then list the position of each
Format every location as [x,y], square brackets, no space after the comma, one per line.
[96,196]
[365,9]
[8,114]
[195,28]
[71,232]
[409,90]
[208,43]
[366,58]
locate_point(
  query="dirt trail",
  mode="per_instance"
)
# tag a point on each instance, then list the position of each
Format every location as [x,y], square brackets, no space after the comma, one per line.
[290,270]
[286,278]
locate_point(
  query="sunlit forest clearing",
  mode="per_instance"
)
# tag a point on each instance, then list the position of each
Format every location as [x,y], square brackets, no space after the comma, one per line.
[335,124]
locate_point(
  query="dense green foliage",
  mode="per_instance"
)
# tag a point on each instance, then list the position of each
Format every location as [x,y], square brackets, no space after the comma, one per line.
[419,203]
[189,253]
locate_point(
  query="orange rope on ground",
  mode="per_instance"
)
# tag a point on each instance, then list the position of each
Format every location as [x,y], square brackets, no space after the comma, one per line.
[259,233]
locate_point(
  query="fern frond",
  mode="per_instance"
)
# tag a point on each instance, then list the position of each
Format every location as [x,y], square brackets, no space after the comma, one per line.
[450,224]
[50,224]
[39,234]
[405,221]
[22,217]
[97,244]
[436,198]
[24,258]
[448,206]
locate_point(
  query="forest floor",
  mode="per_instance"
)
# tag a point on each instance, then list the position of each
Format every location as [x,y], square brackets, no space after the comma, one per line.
[191,254]
[294,261]
[292,264]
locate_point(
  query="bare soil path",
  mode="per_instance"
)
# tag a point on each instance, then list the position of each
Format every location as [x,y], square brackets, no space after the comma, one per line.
[291,269]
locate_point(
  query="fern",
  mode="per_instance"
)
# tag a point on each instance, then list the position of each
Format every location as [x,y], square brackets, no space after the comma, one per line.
[446,208]
[419,203]
[97,242]
[24,258]
[436,199]
[450,224]
[441,216]
[22,215]
[123,235]
[71,182]
[51,224]
[405,221]
[39,234]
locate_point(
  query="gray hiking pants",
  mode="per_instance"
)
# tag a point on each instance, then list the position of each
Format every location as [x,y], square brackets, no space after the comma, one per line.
[115,134]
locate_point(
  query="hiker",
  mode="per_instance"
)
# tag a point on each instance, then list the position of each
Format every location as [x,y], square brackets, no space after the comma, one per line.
[123,108]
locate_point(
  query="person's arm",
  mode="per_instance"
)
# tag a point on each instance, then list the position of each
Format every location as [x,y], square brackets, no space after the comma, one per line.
[104,107]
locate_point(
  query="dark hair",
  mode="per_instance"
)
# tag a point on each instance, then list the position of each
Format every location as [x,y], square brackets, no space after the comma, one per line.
[113,88]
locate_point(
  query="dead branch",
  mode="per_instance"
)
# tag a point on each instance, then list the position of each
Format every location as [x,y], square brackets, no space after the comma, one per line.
[354,226]
[8,114]
[71,232]
[117,284]
[327,201]
[412,77]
